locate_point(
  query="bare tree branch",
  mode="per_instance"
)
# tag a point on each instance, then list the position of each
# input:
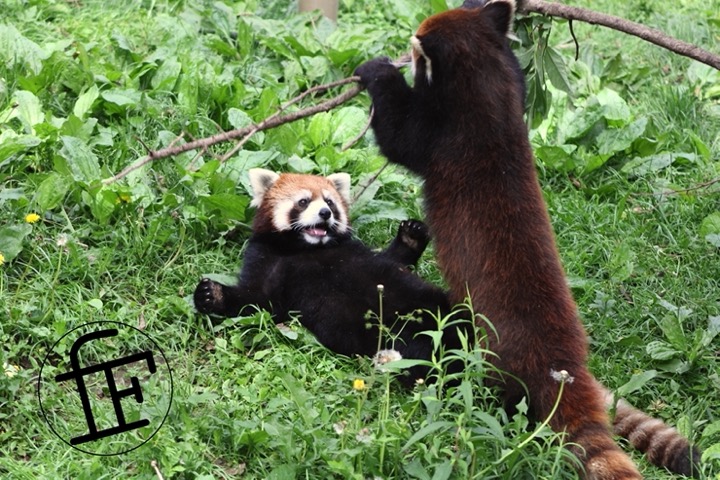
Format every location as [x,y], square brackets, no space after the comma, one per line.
[626,26]
[270,122]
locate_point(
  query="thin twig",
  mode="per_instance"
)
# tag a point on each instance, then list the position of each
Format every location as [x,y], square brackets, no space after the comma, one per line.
[362,133]
[626,26]
[371,181]
[698,186]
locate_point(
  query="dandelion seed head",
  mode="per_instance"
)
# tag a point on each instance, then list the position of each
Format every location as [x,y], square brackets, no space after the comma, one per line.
[385,356]
[339,427]
[561,376]
[380,288]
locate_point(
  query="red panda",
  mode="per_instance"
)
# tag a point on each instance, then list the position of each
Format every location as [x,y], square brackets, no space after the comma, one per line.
[460,126]
[301,258]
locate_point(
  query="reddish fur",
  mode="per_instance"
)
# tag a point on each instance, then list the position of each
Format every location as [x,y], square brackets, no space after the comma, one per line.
[288,185]
[505,257]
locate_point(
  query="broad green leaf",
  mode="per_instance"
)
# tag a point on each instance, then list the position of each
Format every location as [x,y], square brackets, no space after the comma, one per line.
[615,109]
[415,469]
[11,194]
[581,122]
[347,123]
[443,471]
[427,430]
[438,6]
[11,240]
[315,67]
[622,262]
[102,205]
[711,453]
[616,140]
[29,110]
[81,160]
[230,206]
[15,49]
[636,382]
[122,97]
[318,131]
[554,65]
[712,429]
[659,350]
[11,143]
[52,191]
[681,312]
[712,331]
[238,119]
[85,102]
[673,331]
[167,75]
[640,166]
[301,164]
[709,228]
[558,157]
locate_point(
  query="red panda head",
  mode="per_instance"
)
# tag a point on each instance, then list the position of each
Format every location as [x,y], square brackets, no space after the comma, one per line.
[313,207]
[448,40]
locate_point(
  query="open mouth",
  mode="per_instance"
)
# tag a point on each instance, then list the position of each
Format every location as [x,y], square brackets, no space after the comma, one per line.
[317,231]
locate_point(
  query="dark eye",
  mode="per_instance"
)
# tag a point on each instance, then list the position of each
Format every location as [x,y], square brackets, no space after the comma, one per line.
[329,202]
[303,202]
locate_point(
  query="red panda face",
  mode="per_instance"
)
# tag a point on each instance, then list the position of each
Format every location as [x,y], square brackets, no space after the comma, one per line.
[314,207]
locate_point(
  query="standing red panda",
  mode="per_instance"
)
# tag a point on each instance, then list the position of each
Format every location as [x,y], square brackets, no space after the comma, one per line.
[461,128]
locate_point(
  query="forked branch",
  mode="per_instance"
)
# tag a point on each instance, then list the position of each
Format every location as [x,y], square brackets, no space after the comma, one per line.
[648,34]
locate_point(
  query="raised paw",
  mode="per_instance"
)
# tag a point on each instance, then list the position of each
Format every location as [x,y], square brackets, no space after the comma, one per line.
[208,297]
[414,234]
[374,69]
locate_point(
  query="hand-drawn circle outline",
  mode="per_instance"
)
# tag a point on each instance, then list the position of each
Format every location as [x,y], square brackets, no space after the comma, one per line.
[89,324]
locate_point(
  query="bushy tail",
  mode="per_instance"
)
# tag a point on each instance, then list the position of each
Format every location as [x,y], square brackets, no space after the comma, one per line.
[663,445]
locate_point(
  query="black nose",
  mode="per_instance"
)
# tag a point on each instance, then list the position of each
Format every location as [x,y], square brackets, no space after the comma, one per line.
[325,213]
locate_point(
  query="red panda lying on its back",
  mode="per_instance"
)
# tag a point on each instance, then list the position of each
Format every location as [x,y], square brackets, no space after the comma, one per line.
[461,128]
[302,258]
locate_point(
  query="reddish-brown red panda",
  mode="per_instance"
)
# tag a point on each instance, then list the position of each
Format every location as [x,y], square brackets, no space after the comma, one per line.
[460,126]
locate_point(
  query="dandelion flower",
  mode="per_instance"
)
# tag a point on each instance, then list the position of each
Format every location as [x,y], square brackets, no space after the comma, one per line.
[2,258]
[359,384]
[10,370]
[32,217]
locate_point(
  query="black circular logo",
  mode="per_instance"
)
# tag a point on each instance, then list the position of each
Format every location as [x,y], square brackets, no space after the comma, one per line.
[105,388]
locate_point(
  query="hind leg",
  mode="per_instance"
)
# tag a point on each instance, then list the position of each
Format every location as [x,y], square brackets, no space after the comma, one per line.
[410,242]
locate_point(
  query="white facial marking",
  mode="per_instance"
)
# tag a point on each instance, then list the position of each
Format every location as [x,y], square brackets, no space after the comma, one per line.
[419,52]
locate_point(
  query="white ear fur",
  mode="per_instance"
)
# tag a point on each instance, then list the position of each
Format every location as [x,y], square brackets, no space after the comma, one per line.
[342,185]
[418,49]
[261,180]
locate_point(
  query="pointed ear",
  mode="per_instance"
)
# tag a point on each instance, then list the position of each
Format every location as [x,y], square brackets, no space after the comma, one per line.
[261,181]
[500,13]
[342,185]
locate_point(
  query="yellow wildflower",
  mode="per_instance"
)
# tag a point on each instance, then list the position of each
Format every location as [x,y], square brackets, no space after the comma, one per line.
[10,370]
[359,384]
[32,217]
[2,258]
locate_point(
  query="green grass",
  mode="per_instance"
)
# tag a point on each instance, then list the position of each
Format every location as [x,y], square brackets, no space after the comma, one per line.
[84,85]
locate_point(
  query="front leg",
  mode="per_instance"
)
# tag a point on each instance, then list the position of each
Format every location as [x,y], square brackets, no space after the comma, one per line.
[401,132]
[227,301]
[410,242]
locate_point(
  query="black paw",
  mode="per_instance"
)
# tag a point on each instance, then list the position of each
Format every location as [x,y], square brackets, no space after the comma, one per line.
[208,296]
[414,234]
[371,70]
